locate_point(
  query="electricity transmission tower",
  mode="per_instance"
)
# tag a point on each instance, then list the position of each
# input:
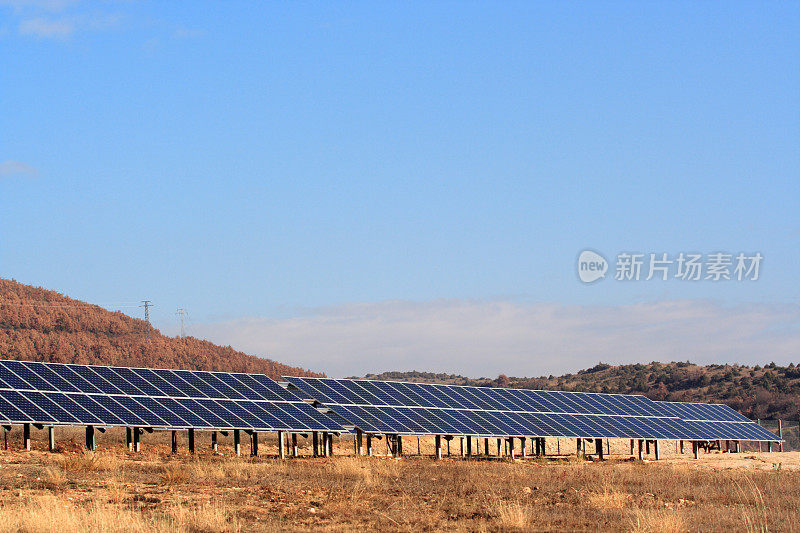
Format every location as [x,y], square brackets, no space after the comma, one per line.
[147,304]
[181,312]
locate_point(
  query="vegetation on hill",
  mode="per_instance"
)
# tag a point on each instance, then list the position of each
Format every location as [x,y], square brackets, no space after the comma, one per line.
[768,391]
[41,325]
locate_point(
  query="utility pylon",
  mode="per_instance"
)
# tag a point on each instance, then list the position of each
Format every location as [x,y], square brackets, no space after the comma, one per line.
[181,312]
[147,304]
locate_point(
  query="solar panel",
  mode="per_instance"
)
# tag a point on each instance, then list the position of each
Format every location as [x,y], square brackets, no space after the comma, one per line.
[418,409]
[54,393]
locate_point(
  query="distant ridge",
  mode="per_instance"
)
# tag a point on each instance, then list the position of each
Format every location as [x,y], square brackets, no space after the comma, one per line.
[768,391]
[37,324]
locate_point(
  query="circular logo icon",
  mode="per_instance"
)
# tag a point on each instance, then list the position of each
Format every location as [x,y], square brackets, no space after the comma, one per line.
[591,266]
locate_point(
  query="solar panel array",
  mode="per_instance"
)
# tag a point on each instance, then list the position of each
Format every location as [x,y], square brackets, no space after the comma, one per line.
[719,419]
[64,394]
[421,408]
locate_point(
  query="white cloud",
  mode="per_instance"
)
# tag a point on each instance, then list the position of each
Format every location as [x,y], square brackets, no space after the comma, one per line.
[40,27]
[11,168]
[478,338]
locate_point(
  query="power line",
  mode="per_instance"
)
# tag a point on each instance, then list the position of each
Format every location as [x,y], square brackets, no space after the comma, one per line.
[181,312]
[147,304]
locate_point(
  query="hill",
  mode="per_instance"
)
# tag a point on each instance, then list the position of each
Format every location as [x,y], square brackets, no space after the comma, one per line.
[768,391]
[42,325]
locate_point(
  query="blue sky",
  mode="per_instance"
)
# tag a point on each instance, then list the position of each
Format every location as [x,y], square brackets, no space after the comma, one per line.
[291,172]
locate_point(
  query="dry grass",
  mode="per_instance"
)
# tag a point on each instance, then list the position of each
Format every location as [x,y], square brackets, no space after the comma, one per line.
[113,490]
[47,513]
[609,499]
[174,474]
[83,462]
[514,514]
[659,521]
[208,517]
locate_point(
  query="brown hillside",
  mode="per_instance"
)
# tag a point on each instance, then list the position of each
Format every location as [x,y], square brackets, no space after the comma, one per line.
[41,325]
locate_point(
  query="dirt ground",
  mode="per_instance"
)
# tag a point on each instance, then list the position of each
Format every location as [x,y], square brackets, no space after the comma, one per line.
[112,489]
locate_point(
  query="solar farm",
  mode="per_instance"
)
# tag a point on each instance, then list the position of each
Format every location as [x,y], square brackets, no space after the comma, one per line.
[138,449]
[519,421]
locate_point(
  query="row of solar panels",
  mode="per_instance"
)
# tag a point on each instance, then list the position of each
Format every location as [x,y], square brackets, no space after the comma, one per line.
[422,421]
[395,393]
[153,382]
[58,394]
[417,408]
[57,408]
[53,393]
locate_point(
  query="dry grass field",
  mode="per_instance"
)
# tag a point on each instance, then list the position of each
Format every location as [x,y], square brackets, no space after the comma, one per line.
[113,490]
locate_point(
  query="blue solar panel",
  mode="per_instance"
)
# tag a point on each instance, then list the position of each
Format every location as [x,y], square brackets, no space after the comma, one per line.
[356,420]
[335,396]
[89,374]
[35,413]
[204,390]
[239,389]
[157,381]
[145,387]
[129,418]
[274,387]
[10,412]
[191,418]
[246,415]
[28,376]
[60,414]
[262,392]
[117,380]
[47,373]
[87,402]
[308,416]
[232,421]
[67,402]
[50,393]
[368,397]
[10,379]
[97,395]
[69,375]
[207,415]
[267,419]
[176,381]
[394,407]
[223,389]
[171,419]
[286,417]
[340,389]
